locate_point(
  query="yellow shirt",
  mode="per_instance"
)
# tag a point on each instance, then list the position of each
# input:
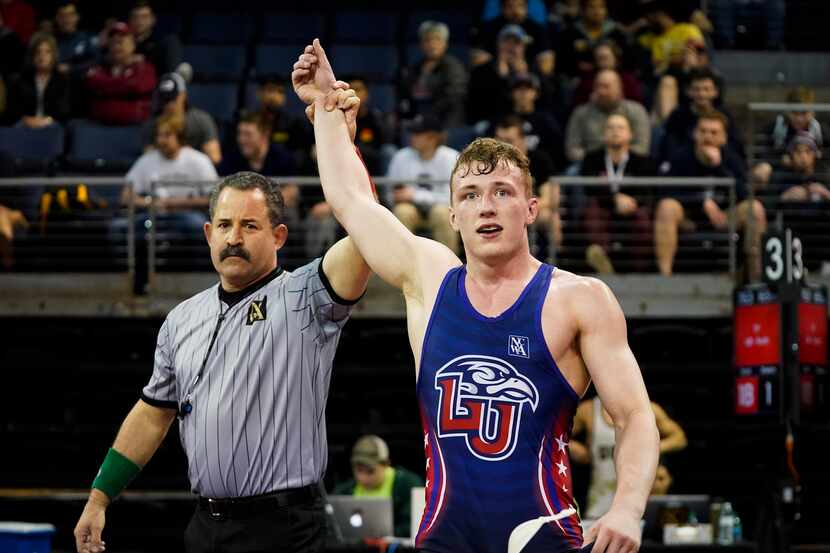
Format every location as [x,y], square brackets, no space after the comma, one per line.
[385,489]
[668,47]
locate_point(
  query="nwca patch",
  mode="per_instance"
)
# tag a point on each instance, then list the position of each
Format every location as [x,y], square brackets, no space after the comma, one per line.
[257,311]
[518,346]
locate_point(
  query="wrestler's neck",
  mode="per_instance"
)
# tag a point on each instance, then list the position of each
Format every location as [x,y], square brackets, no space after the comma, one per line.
[518,265]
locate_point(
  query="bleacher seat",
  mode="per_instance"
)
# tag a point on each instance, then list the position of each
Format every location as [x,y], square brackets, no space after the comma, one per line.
[32,149]
[361,27]
[220,100]
[221,29]
[95,147]
[459,23]
[291,28]
[277,60]
[459,137]
[376,63]
[225,63]
[168,24]
[382,96]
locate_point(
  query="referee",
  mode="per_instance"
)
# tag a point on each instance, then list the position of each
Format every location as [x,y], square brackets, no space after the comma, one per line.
[245,365]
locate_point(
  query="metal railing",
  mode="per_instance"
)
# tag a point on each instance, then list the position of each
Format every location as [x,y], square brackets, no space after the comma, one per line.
[72,225]
[155,243]
[810,219]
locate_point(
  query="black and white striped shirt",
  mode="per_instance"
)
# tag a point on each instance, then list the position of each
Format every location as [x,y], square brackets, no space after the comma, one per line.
[257,408]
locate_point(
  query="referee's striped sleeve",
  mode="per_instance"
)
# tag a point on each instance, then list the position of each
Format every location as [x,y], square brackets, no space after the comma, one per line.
[160,391]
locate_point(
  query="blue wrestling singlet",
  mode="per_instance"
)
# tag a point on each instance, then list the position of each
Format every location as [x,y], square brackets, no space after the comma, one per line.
[497,416]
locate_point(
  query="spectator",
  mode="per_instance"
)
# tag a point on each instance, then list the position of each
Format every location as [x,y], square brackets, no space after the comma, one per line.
[674,83]
[374,476]
[593,420]
[121,88]
[18,16]
[179,209]
[39,97]
[800,183]
[671,38]
[540,128]
[607,55]
[199,128]
[423,170]
[490,94]
[586,127]
[627,209]
[12,48]
[510,130]
[372,130]
[594,27]
[164,52]
[10,221]
[486,39]
[256,152]
[695,208]
[437,84]
[787,125]
[77,49]
[287,131]
[171,160]
[703,93]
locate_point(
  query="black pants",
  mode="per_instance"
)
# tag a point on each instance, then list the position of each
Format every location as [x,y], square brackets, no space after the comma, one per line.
[292,529]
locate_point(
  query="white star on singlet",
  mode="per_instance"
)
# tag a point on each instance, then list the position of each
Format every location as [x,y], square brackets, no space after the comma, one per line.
[561,444]
[426,440]
[427,463]
[562,468]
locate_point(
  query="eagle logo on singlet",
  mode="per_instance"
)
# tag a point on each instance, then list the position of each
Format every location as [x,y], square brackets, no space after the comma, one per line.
[481,399]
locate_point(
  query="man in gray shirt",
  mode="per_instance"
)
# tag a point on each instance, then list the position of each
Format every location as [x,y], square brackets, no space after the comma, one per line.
[586,126]
[245,365]
[199,127]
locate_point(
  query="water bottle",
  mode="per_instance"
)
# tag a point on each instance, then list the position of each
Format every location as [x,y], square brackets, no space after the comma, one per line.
[726,525]
[738,531]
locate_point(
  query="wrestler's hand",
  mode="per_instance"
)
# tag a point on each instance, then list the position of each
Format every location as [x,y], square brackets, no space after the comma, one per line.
[345,100]
[313,76]
[91,524]
[618,531]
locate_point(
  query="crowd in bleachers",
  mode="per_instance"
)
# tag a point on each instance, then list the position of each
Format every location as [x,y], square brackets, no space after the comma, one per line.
[193,96]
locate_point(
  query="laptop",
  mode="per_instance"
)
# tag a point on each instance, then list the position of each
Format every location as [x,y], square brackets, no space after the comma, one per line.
[362,517]
[675,509]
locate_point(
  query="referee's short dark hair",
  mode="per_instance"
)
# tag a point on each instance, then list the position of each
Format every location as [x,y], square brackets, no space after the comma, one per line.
[248,180]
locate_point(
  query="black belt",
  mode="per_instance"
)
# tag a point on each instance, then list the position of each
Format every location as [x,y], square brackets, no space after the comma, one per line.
[242,507]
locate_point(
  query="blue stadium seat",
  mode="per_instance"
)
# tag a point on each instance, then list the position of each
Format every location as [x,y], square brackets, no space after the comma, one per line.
[382,96]
[224,63]
[35,148]
[376,63]
[293,28]
[361,27]
[99,147]
[277,60]
[459,23]
[221,29]
[219,100]
[459,137]
[168,24]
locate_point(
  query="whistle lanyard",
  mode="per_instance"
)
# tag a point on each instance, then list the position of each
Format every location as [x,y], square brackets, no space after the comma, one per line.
[615,176]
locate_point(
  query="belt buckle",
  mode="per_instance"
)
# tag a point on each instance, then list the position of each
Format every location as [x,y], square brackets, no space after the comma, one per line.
[214,510]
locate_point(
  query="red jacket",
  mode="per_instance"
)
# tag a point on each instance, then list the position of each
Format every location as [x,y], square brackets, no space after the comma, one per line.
[122,99]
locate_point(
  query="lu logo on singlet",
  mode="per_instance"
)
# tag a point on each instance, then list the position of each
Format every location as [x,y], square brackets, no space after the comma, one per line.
[481,400]
[257,311]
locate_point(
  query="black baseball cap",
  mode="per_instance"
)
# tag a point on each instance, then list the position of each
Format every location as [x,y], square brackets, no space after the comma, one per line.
[426,123]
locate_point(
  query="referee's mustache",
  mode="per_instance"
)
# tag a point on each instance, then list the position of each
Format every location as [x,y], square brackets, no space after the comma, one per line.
[234,251]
